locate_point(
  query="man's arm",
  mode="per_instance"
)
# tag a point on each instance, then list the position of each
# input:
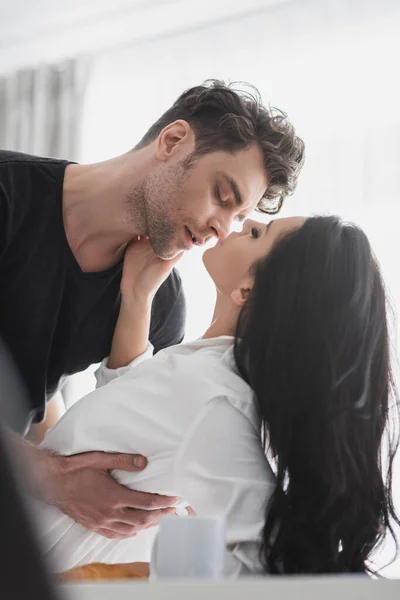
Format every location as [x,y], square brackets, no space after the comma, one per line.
[82,487]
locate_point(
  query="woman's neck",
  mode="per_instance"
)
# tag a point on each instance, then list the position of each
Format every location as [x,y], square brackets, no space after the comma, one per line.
[224,318]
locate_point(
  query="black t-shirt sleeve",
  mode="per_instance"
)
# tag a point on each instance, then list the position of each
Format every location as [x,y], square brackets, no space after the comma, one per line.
[168,314]
[14,194]
[4,216]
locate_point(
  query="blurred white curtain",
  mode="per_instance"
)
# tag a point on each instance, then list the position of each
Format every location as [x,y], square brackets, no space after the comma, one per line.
[41,109]
[41,113]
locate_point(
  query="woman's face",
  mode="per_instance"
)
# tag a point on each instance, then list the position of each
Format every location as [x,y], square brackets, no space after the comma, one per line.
[229,262]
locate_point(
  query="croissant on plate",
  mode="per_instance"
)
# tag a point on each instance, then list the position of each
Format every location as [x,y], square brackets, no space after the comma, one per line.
[103,571]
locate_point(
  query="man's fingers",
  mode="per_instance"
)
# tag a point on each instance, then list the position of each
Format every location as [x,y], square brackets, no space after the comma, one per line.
[119,529]
[104,505]
[133,521]
[144,519]
[131,499]
[117,533]
[109,461]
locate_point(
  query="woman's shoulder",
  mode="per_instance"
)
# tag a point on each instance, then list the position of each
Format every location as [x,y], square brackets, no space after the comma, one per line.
[210,360]
[206,369]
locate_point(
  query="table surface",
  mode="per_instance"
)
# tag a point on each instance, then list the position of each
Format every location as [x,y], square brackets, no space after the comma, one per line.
[317,588]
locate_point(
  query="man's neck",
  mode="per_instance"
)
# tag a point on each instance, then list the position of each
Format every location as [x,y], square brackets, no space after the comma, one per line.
[97,224]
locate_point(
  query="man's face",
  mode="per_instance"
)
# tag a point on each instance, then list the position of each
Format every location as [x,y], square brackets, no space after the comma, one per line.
[188,202]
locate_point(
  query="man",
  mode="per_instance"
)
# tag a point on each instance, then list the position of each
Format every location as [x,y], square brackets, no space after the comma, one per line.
[213,157]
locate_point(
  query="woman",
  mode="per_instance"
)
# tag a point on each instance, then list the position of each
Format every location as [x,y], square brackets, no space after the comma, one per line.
[296,360]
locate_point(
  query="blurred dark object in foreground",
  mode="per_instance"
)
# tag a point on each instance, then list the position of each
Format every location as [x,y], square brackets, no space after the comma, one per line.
[15,405]
[23,575]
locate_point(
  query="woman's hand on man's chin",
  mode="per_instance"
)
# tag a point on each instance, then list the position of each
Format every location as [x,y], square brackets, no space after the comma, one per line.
[143,272]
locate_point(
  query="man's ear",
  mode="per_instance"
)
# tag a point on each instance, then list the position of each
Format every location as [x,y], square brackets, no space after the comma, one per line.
[172,138]
[241,293]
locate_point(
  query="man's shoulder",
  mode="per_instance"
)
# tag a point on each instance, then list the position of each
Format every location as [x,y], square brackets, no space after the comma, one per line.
[29,189]
[168,313]
[25,178]
[170,294]
[173,284]
[8,158]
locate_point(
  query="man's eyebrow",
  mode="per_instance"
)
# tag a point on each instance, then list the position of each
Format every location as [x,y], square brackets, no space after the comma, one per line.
[234,187]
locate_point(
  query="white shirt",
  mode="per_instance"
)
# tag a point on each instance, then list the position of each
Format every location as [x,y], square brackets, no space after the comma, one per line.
[188,411]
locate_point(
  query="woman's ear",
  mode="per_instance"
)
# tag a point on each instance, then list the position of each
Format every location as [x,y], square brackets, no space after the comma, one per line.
[241,293]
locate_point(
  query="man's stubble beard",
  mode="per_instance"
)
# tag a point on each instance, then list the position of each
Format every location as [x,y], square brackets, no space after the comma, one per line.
[164,199]
[144,216]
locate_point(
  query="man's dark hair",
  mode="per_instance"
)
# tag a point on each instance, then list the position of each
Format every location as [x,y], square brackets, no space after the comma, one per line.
[226,119]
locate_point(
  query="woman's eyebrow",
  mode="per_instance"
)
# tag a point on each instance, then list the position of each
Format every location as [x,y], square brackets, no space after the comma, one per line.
[268,227]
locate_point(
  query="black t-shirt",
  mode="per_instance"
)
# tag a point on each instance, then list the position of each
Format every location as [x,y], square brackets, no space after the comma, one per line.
[56,319]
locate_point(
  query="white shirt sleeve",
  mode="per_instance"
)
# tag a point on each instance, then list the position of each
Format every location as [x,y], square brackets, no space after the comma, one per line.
[221,470]
[104,375]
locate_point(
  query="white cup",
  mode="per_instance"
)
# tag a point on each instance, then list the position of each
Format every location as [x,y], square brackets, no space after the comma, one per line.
[189,548]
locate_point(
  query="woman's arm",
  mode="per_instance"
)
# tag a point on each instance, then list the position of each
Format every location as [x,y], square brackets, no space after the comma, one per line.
[142,275]
[131,335]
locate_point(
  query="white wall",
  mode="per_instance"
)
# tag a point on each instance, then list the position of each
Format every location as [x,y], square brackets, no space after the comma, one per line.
[44,30]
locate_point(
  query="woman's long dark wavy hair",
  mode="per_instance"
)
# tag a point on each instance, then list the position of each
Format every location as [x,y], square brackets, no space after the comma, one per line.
[312,341]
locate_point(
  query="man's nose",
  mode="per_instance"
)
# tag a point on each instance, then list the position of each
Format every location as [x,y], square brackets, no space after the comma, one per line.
[221,228]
